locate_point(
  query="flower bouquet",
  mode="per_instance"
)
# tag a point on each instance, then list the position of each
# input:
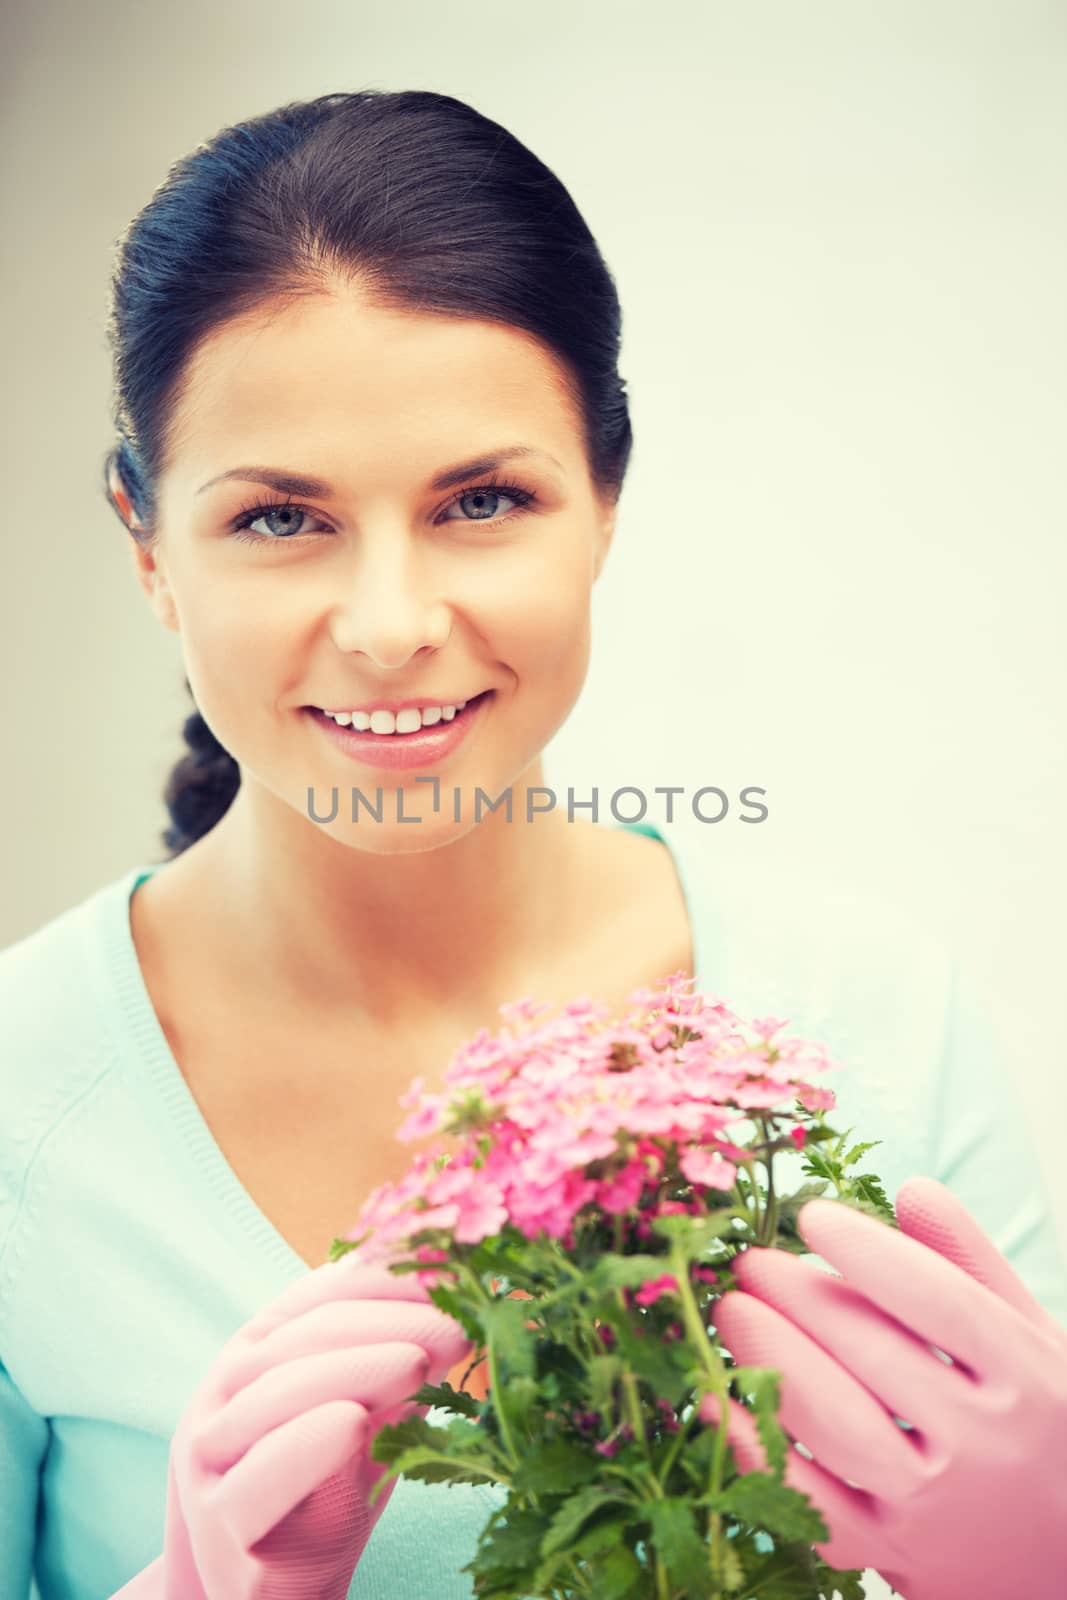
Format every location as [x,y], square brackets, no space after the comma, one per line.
[602,1179]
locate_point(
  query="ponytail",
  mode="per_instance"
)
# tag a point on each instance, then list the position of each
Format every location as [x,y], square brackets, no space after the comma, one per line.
[200,787]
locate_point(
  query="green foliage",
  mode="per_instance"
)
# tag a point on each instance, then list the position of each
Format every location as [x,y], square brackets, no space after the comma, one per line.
[694,1234]
[452,1454]
[759,1500]
[504,1327]
[679,1542]
[761,1386]
[574,1514]
[616,1488]
[861,1190]
[444,1397]
[554,1466]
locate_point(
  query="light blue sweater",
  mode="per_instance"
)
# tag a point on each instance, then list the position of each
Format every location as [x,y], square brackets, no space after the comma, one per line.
[130,1252]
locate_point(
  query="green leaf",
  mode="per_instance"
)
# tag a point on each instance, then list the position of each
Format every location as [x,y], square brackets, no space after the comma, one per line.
[514,1542]
[341,1247]
[431,1453]
[872,1197]
[604,1372]
[695,1234]
[818,1134]
[680,1545]
[661,1365]
[554,1466]
[782,1577]
[764,1386]
[526,1398]
[445,1398]
[454,1303]
[859,1150]
[695,1459]
[619,1575]
[626,1272]
[774,1507]
[849,1585]
[569,1520]
[513,1343]
[430,1466]
[790,1204]
[819,1165]
[395,1437]
[604,1534]
[731,1572]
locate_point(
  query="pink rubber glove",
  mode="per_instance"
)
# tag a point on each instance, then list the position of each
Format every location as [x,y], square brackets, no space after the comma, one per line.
[269,1468]
[972,1505]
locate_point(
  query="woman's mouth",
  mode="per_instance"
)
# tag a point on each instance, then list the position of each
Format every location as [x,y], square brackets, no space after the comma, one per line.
[423,746]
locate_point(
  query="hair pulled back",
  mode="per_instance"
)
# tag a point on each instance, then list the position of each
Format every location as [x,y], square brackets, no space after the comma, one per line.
[430,205]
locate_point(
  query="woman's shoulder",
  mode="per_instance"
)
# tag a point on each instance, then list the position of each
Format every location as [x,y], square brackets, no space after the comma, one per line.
[43,954]
[54,981]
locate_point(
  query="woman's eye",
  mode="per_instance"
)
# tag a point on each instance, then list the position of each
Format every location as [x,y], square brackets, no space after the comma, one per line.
[285,521]
[484,502]
[285,516]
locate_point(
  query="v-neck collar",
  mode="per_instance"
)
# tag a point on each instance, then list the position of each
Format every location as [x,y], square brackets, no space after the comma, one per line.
[153,1072]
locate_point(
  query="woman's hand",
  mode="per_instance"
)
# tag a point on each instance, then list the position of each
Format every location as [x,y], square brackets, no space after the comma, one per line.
[270,1470]
[972,1504]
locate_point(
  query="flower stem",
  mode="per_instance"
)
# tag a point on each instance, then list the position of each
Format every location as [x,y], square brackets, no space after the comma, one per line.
[767,1235]
[753,1204]
[495,1387]
[719,1384]
[633,1399]
[496,1391]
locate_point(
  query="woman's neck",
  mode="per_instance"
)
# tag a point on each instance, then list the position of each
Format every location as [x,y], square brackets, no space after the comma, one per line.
[340,929]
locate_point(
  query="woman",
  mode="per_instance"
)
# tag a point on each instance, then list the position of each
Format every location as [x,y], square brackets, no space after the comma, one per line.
[371,441]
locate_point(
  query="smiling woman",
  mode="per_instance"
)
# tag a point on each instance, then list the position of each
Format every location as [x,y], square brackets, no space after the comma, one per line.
[371,438]
[372,340]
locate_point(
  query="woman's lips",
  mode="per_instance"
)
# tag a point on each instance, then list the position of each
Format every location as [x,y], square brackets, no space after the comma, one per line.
[402,751]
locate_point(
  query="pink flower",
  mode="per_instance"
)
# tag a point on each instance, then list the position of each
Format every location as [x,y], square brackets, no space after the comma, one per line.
[622,1192]
[799,1136]
[411,1096]
[767,1026]
[426,1119]
[575,1116]
[816,1099]
[708,1168]
[652,1288]
[481,1218]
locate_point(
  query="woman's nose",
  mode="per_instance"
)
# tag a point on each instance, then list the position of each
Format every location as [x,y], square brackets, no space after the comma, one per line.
[391,608]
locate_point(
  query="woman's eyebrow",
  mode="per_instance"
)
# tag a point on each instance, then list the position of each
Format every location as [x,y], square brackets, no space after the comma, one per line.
[300,483]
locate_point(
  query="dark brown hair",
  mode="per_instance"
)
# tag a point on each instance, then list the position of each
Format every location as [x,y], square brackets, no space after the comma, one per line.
[428,203]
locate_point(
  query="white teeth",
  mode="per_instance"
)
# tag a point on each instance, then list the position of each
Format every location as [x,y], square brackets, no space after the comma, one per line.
[406,721]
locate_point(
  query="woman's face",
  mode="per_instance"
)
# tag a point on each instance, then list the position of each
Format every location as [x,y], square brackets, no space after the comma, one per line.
[375,585]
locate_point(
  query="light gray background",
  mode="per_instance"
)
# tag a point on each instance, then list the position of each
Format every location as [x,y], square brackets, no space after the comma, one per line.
[838,231]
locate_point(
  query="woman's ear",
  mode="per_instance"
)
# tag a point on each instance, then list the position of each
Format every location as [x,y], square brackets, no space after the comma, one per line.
[148,566]
[151,575]
[604,535]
